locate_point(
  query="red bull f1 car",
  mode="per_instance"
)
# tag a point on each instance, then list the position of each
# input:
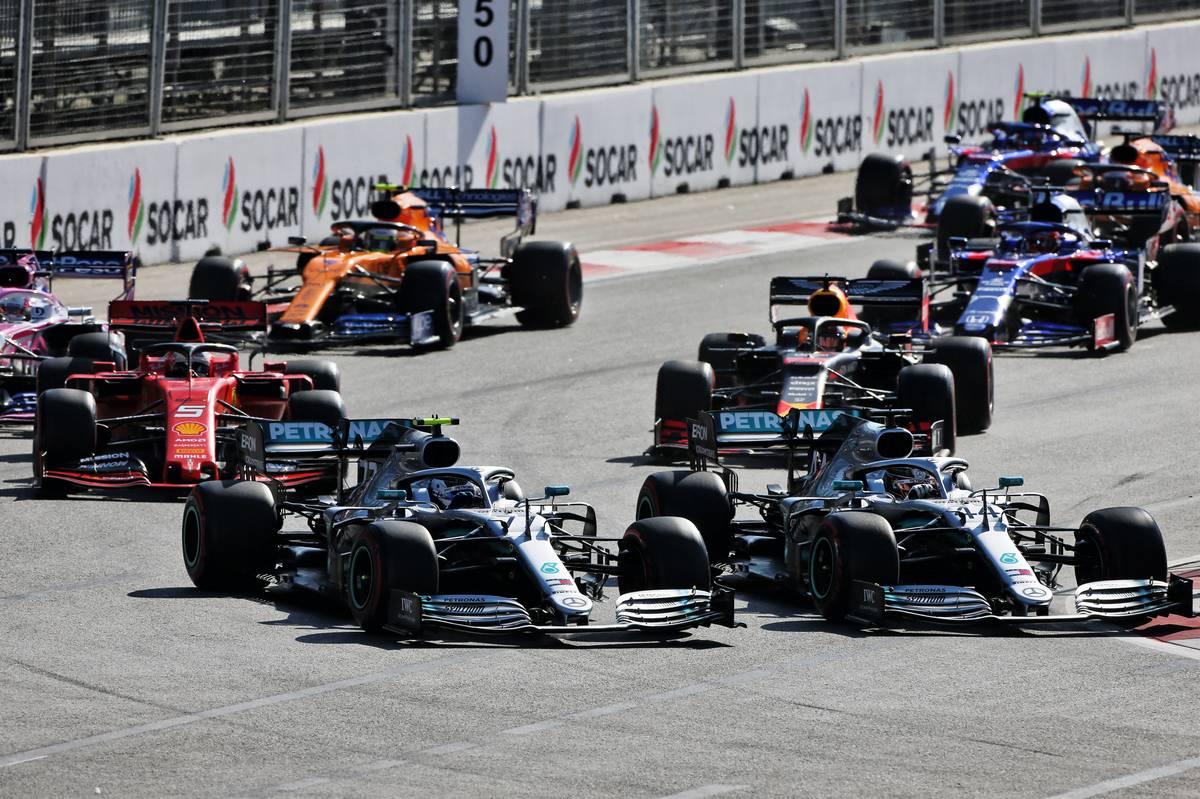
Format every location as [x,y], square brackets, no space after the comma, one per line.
[420,543]
[172,420]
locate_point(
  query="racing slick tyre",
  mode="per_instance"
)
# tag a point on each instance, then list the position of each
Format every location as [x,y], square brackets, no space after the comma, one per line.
[318,405]
[927,389]
[228,534]
[66,424]
[325,375]
[1177,283]
[699,497]
[970,360]
[387,556]
[720,351]
[1119,544]
[849,546]
[433,286]
[683,388]
[546,281]
[1108,289]
[662,553]
[1062,172]
[884,185]
[887,269]
[53,372]
[219,278]
[99,346]
[968,216]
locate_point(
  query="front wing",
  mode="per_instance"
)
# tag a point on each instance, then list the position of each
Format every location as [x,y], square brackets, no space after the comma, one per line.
[662,611]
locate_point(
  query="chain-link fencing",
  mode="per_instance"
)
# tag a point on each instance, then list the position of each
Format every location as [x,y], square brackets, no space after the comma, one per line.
[77,70]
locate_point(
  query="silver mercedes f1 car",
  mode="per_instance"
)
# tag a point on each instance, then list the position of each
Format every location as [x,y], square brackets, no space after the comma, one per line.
[870,532]
[420,542]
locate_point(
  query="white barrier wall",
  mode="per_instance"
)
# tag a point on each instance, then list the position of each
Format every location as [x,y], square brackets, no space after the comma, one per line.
[176,198]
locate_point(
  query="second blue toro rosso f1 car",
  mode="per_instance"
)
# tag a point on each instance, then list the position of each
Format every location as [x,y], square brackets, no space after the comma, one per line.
[1095,262]
[871,533]
[986,184]
[420,542]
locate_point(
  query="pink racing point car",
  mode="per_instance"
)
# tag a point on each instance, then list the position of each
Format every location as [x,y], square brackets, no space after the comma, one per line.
[41,339]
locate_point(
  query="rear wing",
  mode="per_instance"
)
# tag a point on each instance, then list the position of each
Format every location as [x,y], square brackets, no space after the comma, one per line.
[358,436]
[158,315]
[99,265]
[1098,202]
[862,292]
[459,204]
[1099,108]
[1182,147]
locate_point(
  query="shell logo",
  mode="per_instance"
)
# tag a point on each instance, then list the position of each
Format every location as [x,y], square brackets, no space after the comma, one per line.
[189,428]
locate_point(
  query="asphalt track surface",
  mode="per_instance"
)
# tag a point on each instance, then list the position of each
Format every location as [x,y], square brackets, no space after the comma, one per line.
[118,678]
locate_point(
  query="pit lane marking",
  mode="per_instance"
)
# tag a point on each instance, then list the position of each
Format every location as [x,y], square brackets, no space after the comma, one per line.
[15,758]
[1129,780]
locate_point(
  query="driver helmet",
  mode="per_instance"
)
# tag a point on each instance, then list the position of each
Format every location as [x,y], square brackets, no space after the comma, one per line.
[1046,241]
[175,364]
[452,496]
[905,483]
[201,364]
[381,239]
[831,339]
[14,308]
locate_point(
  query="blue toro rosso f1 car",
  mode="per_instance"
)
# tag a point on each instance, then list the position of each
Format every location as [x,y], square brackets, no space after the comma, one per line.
[1089,267]
[983,185]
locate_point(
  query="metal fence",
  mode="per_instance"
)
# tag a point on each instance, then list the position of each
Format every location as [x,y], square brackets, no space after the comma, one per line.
[85,70]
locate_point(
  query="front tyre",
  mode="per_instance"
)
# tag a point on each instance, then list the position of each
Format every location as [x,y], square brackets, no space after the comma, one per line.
[546,282]
[433,286]
[387,556]
[1119,544]
[1108,289]
[849,546]
[666,552]
[927,389]
[699,497]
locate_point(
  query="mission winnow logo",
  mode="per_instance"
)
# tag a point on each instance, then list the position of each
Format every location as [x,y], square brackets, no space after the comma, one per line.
[349,197]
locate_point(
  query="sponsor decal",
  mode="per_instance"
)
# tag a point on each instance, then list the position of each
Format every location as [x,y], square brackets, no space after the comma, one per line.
[574,601]
[575,151]
[229,203]
[878,111]
[730,131]
[549,567]
[1019,98]
[190,450]
[1179,90]
[319,433]
[904,126]
[949,113]
[1087,77]
[769,422]
[406,163]
[655,144]
[1152,76]
[1009,557]
[806,129]
[1104,332]
[137,208]
[560,580]
[492,174]
[39,216]
[189,428]
[1034,591]
[320,185]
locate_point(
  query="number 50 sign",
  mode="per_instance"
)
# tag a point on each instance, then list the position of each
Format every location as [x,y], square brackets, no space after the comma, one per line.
[482,51]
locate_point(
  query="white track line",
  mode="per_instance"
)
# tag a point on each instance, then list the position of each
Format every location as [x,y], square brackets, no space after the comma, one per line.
[1129,780]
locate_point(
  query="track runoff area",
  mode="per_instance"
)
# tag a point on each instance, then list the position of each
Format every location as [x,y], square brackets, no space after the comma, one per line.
[117,677]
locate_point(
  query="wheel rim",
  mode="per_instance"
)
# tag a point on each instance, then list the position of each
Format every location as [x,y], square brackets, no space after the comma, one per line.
[362,577]
[191,537]
[454,309]
[574,287]
[1131,312]
[821,568]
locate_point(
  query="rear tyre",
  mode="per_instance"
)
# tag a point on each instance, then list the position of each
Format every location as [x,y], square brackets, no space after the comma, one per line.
[53,372]
[969,358]
[849,546]
[219,278]
[662,553]
[1062,172]
[887,269]
[1108,289]
[433,286]
[684,388]
[387,556]
[1177,283]
[1119,544]
[699,497]
[99,346]
[546,281]
[318,405]
[883,186]
[326,376]
[968,216]
[928,390]
[229,528]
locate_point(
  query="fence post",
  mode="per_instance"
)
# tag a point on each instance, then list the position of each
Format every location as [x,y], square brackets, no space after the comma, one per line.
[1035,17]
[521,57]
[158,63]
[635,39]
[839,28]
[739,34]
[283,66]
[1130,11]
[24,76]
[404,70]
[939,22]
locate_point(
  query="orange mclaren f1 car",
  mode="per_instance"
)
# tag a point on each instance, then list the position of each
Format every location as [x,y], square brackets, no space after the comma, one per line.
[400,278]
[1173,159]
